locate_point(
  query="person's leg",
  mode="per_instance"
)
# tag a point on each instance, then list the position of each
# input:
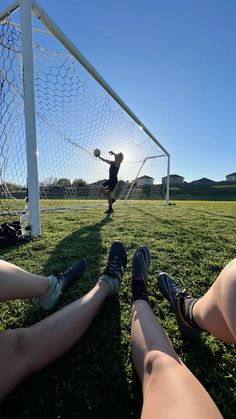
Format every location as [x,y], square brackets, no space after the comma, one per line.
[27,350]
[110,202]
[170,390]
[107,193]
[109,198]
[103,190]
[16,283]
[215,312]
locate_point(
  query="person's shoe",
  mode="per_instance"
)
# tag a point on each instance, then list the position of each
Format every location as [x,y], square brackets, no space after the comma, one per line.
[116,265]
[61,283]
[109,211]
[181,303]
[140,263]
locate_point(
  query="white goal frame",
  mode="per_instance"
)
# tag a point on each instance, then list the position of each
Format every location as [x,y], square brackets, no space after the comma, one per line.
[27,8]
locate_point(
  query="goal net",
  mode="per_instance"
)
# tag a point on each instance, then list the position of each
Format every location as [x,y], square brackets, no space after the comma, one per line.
[74,115]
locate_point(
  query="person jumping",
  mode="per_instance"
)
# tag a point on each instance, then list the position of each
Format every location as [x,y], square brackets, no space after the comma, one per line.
[109,185]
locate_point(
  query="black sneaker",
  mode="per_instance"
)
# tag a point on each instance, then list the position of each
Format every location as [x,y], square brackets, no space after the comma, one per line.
[61,283]
[177,296]
[116,265]
[109,211]
[71,275]
[140,264]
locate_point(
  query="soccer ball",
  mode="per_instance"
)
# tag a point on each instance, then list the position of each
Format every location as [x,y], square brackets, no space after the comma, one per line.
[97,152]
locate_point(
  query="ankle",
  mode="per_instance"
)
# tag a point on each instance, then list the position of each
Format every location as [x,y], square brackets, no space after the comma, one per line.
[139,291]
[113,283]
[187,311]
[196,314]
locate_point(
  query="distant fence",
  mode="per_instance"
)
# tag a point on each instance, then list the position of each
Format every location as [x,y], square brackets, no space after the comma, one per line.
[216,192]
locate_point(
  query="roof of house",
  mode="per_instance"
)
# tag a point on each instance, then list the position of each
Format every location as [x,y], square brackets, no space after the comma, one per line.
[145,177]
[231,174]
[202,180]
[171,176]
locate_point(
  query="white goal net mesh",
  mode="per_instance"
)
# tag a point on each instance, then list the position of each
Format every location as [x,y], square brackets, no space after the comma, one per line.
[74,115]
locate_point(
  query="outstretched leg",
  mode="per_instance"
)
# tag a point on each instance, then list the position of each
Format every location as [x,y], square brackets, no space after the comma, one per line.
[170,390]
[215,312]
[26,350]
[16,283]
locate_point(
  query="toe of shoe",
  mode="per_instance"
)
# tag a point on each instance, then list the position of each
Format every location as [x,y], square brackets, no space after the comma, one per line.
[163,284]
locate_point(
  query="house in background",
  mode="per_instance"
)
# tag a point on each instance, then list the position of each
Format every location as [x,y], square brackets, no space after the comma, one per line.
[144,180]
[231,177]
[202,181]
[174,180]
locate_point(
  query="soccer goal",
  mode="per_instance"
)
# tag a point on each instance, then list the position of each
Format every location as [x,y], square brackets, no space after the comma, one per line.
[55,110]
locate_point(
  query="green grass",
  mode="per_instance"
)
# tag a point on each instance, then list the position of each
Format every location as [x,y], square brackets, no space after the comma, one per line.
[192,241]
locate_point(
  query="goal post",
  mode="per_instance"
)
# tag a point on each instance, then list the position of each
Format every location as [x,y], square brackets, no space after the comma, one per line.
[64,120]
[30,117]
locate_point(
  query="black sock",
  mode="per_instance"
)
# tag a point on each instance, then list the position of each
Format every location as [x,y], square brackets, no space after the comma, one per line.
[187,311]
[110,207]
[139,291]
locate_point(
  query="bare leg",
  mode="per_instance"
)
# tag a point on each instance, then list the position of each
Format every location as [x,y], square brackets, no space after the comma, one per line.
[108,195]
[109,198]
[216,310]
[170,390]
[103,191]
[27,350]
[17,283]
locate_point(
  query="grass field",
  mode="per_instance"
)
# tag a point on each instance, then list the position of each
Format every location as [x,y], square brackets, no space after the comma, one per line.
[96,379]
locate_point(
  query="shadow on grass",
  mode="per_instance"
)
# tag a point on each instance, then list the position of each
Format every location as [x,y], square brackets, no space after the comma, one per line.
[206,360]
[89,381]
[213,213]
[4,249]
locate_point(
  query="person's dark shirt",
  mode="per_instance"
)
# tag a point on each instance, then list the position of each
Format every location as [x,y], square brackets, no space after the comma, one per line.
[113,171]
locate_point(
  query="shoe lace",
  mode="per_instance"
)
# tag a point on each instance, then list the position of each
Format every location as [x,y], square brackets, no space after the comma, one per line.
[113,268]
[181,292]
[63,275]
[137,272]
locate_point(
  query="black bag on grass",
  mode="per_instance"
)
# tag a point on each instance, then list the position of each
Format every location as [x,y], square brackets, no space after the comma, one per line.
[10,233]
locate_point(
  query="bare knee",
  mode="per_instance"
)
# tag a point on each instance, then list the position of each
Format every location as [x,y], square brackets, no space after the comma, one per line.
[14,343]
[157,362]
[17,349]
[103,190]
[13,356]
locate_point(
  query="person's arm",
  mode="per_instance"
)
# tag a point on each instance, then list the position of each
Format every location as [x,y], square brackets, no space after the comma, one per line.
[106,161]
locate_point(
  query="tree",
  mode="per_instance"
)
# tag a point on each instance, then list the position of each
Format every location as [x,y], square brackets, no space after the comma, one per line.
[79,182]
[63,182]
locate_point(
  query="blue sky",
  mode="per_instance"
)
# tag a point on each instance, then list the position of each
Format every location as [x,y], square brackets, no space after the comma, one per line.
[173,62]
